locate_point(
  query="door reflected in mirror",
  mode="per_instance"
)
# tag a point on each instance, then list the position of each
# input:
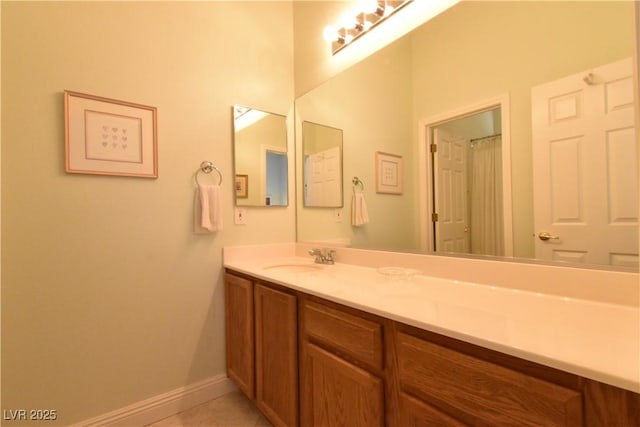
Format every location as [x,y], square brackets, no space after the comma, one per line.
[260,157]
[322,165]
[467,185]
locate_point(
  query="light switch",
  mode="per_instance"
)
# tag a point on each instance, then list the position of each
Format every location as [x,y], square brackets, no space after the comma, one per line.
[240,217]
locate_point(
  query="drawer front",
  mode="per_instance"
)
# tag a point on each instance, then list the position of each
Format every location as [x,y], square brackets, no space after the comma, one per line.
[356,337]
[474,389]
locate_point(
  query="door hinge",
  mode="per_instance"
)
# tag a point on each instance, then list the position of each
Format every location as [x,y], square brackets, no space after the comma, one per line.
[433,148]
[434,217]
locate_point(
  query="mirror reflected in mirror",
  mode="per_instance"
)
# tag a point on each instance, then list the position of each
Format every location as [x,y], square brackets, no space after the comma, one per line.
[321,165]
[557,62]
[260,157]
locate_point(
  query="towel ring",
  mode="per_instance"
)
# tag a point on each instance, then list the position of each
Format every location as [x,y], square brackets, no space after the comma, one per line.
[208,167]
[354,183]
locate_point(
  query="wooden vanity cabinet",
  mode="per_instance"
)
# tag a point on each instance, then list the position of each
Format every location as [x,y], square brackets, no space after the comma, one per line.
[262,346]
[358,369]
[445,382]
[342,370]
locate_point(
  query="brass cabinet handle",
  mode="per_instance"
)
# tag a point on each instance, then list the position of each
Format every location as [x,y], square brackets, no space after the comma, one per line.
[545,235]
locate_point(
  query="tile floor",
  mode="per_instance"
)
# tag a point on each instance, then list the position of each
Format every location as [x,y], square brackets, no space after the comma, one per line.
[231,410]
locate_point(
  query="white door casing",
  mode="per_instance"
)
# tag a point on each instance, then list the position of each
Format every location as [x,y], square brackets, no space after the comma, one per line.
[585,167]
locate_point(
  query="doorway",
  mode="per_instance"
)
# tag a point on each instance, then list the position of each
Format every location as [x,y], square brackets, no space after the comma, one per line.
[465,191]
[276,179]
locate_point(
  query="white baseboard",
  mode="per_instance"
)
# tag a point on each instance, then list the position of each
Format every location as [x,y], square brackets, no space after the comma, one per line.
[164,405]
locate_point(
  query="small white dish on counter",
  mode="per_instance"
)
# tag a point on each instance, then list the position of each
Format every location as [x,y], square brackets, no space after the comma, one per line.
[398,273]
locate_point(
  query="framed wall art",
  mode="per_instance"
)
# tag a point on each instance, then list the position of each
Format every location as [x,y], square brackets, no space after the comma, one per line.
[242,186]
[105,136]
[389,173]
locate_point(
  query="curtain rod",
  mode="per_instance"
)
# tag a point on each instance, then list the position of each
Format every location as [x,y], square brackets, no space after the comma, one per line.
[485,137]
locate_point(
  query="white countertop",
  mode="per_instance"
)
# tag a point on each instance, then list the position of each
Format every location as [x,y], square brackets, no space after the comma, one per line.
[596,340]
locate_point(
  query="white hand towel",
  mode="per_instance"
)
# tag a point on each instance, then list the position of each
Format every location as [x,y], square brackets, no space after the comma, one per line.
[359,212]
[208,209]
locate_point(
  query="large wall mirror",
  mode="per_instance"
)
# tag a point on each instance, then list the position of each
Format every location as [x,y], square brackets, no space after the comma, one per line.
[531,70]
[260,157]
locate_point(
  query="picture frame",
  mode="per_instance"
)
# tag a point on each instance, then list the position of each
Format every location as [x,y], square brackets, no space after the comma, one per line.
[389,173]
[104,136]
[242,186]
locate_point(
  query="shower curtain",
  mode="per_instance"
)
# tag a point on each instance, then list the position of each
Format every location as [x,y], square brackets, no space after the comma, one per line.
[486,197]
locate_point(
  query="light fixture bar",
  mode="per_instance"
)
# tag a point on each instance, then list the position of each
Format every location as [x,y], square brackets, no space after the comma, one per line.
[359,23]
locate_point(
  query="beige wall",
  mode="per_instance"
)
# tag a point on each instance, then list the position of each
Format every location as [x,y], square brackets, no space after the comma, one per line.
[108,297]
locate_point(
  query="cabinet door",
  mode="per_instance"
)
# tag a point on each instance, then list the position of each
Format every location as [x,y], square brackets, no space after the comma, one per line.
[276,355]
[239,332]
[337,393]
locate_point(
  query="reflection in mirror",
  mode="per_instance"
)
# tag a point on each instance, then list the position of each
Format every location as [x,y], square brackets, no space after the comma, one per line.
[260,157]
[322,165]
[456,60]
[467,184]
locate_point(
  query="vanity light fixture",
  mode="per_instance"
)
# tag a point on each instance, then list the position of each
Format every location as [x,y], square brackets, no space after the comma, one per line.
[354,24]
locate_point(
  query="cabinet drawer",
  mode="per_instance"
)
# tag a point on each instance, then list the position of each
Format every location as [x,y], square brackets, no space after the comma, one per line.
[353,336]
[475,389]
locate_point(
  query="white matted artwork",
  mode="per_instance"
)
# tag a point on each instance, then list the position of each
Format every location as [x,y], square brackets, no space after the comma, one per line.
[389,173]
[109,137]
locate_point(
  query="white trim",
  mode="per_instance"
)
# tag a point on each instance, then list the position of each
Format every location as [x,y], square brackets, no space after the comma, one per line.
[164,405]
[425,180]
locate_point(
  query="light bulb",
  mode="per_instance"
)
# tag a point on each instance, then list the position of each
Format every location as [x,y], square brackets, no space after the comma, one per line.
[370,6]
[330,34]
[348,20]
[348,39]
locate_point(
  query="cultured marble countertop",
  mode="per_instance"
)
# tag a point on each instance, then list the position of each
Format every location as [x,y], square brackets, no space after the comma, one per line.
[596,340]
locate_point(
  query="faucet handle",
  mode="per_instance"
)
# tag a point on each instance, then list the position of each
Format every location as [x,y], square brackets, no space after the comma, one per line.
[330,256]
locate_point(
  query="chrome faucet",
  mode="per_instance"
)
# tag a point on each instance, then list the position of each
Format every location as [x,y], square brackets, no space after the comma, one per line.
[323,256]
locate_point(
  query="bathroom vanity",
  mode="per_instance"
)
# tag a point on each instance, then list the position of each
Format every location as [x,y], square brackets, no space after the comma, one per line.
[317,345]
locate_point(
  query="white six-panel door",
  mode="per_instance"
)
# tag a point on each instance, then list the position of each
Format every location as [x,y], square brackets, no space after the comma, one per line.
[451,202]
[585,167]
[323,186]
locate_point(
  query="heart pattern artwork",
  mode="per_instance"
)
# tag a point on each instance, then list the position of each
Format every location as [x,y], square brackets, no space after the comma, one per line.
[114,137]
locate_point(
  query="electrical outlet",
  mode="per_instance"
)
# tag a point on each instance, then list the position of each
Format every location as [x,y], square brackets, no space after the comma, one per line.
[337,214]
[240,217]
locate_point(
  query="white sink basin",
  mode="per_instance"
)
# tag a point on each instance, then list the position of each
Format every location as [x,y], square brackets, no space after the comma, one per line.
[294,266]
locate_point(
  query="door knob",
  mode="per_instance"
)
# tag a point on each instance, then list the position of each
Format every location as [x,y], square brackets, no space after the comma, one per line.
[545,235]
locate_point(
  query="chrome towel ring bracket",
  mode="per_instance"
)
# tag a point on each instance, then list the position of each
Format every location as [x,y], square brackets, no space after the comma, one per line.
[208,167]
[355,182]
